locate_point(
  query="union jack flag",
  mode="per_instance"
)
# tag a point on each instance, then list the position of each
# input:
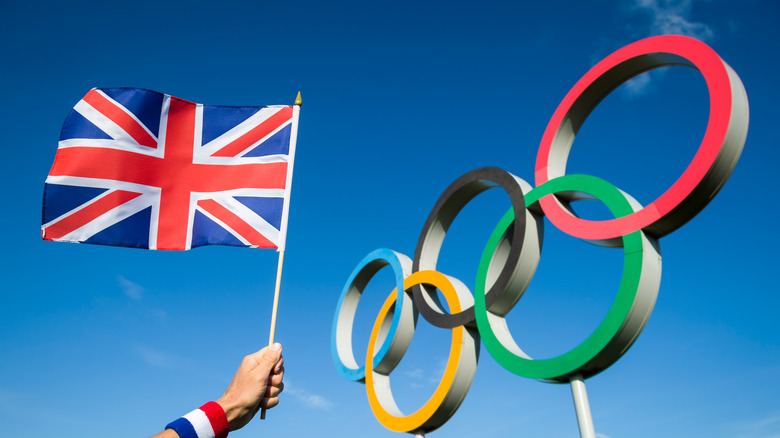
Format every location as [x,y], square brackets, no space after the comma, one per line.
[143,169]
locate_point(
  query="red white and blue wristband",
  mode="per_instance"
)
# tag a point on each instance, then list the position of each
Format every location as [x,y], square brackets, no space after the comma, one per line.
[208,421]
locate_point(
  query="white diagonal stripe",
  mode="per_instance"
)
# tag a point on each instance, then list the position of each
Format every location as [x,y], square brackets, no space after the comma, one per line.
[227,200]
[239,130]
[123,140]
[108,218]
[128,112]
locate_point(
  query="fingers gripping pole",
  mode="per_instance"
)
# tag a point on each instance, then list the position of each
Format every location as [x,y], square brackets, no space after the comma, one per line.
[582,407]
[274,309]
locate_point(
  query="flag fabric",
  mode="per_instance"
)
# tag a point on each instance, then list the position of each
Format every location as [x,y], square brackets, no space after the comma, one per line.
[143,169]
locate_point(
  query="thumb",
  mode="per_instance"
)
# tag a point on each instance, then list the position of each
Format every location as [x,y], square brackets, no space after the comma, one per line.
[269,356]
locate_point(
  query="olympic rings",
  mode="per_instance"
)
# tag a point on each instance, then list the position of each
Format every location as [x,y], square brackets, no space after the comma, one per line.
[512,253]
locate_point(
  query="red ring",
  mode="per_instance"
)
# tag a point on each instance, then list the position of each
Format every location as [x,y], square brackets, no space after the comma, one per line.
[721,145]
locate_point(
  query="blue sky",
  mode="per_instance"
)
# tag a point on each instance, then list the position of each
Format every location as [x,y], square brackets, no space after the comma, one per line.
[400,98]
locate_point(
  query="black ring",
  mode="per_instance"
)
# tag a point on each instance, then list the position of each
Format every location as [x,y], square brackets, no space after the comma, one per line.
[450,203]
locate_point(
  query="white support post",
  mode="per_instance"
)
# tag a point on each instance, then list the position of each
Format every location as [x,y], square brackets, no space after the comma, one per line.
[582,407]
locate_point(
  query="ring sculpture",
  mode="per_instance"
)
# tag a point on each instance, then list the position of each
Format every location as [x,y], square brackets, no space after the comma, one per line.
[512,252]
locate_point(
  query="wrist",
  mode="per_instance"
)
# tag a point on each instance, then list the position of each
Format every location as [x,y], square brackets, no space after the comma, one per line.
[231,409]
[208,421]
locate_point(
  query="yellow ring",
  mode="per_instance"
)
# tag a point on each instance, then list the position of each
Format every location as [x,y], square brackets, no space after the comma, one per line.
[454,383]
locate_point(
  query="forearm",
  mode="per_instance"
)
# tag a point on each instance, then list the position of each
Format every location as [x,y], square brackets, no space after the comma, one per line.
[167,433]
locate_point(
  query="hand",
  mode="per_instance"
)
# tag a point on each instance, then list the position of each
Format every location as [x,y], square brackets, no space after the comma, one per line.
[256,385]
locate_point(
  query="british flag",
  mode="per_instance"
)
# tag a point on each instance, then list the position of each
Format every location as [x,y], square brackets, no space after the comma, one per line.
[143,169]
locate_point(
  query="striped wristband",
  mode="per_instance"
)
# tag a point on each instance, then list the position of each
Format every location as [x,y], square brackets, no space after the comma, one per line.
[208,421]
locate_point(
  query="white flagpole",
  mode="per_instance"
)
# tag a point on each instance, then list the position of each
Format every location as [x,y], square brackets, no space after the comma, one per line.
[283,228]
[582,407]
[276,298]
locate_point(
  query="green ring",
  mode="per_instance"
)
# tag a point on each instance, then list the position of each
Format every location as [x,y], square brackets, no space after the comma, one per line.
[577,360]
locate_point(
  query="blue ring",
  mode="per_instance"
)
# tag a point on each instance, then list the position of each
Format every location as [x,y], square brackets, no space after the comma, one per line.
[367,268]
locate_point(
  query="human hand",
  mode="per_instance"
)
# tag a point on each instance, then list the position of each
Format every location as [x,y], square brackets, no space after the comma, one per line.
[256,385]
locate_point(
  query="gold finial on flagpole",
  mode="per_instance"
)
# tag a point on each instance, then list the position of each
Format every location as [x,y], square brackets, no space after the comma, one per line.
[298,100]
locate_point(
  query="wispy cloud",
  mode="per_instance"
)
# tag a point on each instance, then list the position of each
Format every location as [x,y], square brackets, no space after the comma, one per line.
[157,358]
[132,290]
[416,373]
[419,377]
[673,17]
[414,377]
[765,427]
[136,292]
[638,85]
[312,400]
[665,17]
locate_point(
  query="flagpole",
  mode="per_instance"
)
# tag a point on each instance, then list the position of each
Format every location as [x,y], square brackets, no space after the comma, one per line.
[276,298]
[274,309]
[283,228]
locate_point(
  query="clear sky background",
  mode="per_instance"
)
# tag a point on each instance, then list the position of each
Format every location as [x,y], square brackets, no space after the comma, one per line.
[400,98]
